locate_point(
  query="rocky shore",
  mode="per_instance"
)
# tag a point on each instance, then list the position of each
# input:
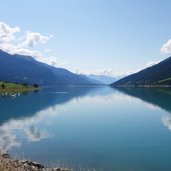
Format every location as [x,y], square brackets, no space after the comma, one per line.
[9,164]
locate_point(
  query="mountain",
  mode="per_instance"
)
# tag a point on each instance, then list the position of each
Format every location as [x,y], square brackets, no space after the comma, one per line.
[92,79]
[104,79]
[25,69]
[159,74]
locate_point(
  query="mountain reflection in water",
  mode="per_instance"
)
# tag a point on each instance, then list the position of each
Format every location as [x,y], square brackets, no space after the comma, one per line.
[155,97]
[20,116]
[96,127]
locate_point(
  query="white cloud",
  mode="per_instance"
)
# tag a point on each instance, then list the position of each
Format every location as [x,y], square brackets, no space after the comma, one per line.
[16,49]
[115,73]
[51,60]
[47,50]
[13,49]
[151,63]
[166,48]
[7,32]
[24,45]
[107,72]
[31,39]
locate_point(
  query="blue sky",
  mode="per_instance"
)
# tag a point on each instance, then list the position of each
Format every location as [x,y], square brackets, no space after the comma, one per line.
[92,35]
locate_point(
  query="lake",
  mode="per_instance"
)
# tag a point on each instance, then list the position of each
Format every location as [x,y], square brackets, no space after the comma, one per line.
[95,128]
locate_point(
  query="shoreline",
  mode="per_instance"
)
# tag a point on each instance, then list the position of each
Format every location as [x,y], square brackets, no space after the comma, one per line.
[8,91]
[9,164]
[18,89]
[7,87]
[143,86]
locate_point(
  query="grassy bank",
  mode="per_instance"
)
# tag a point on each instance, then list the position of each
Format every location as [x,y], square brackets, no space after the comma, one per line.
[8,87]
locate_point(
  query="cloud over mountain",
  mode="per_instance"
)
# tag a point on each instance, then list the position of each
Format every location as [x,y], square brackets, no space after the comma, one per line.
[31,39]
[166,48]
[25,44]
[7,32]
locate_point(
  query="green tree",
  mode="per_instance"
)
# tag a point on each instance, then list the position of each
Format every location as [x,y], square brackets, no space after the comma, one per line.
[3,86]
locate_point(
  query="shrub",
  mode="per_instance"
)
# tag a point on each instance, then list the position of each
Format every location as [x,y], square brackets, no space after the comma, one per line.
[25,85]
[36,85]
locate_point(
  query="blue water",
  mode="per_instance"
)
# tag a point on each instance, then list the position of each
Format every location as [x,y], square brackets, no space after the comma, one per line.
[100,128]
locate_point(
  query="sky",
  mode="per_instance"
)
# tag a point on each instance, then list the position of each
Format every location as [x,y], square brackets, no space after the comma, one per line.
[114,37]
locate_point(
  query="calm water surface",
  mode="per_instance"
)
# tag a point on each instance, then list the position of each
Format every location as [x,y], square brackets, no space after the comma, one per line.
[125,129]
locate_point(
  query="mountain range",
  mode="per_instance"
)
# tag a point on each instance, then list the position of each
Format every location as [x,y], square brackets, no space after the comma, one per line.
[159,74]
[104,79]
[25,69]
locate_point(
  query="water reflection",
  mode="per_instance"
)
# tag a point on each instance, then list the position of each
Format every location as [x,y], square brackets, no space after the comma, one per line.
[20,117]
[12,131]
[160,97]
[155,98]
[166,120]
[97,127]
[28,104]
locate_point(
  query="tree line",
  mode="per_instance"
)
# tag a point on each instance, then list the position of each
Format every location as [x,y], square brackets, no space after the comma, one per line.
[3,85]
